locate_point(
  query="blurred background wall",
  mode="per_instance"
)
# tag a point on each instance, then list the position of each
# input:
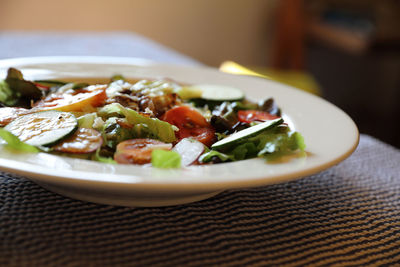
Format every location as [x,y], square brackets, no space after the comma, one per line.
[347,50]
[208,30]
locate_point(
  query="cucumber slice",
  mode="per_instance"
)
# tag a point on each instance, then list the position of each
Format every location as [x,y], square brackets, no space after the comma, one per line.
[246,133]
[43,128]
[218,92]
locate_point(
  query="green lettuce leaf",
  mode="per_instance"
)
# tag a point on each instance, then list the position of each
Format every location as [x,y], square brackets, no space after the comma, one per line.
[23,91]
[14,142]
[279,141]
[270,144]
[165,159]
[244,151]
[87,120]
[7,96]
[208,156]
[113,133]
[161,129]
[97,157]
[281,145]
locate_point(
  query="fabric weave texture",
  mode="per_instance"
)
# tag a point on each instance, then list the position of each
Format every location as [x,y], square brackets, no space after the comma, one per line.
[346,215]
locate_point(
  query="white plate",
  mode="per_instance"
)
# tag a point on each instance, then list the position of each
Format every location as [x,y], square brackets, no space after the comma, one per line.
[329,133]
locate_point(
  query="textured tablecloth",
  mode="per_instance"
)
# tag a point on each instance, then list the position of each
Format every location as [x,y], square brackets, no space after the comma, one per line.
[348,215]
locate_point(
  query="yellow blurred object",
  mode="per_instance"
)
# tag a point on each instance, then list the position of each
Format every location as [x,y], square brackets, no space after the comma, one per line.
[298,79]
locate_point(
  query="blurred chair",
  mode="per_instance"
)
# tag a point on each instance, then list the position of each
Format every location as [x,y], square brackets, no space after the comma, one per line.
[289,38]
[288,55]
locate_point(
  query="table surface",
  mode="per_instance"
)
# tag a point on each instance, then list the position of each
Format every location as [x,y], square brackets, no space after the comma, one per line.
[346,215]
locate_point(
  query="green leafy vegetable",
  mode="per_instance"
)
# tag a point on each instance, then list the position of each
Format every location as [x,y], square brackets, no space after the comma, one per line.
[244,151]
[27,90]
[87,120]
[270,144]
[97,157]
[15,143]
[7,96]
[117,77]
[15,91]
[161,129]
[141,130]
[283,144]
[243,105]
[279,140]
[210,155]
[114,133]
[77,86]
[166,159]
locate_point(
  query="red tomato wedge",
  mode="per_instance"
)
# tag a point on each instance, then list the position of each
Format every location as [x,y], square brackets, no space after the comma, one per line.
[138,151]
[84,140]
[75,100]
[191,124]
[248,116]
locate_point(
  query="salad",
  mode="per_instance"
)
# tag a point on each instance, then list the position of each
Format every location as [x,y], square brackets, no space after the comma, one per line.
[157,122]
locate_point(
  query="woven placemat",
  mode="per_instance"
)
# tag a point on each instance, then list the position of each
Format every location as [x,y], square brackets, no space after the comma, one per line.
[347,215]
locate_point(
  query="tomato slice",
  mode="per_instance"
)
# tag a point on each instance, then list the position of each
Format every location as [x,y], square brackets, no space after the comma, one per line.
[248,116]
[84,140]
[75,100]
[138,151]
[191,124]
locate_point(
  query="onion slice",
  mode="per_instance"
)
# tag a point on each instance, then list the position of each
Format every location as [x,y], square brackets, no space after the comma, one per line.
[189,149]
